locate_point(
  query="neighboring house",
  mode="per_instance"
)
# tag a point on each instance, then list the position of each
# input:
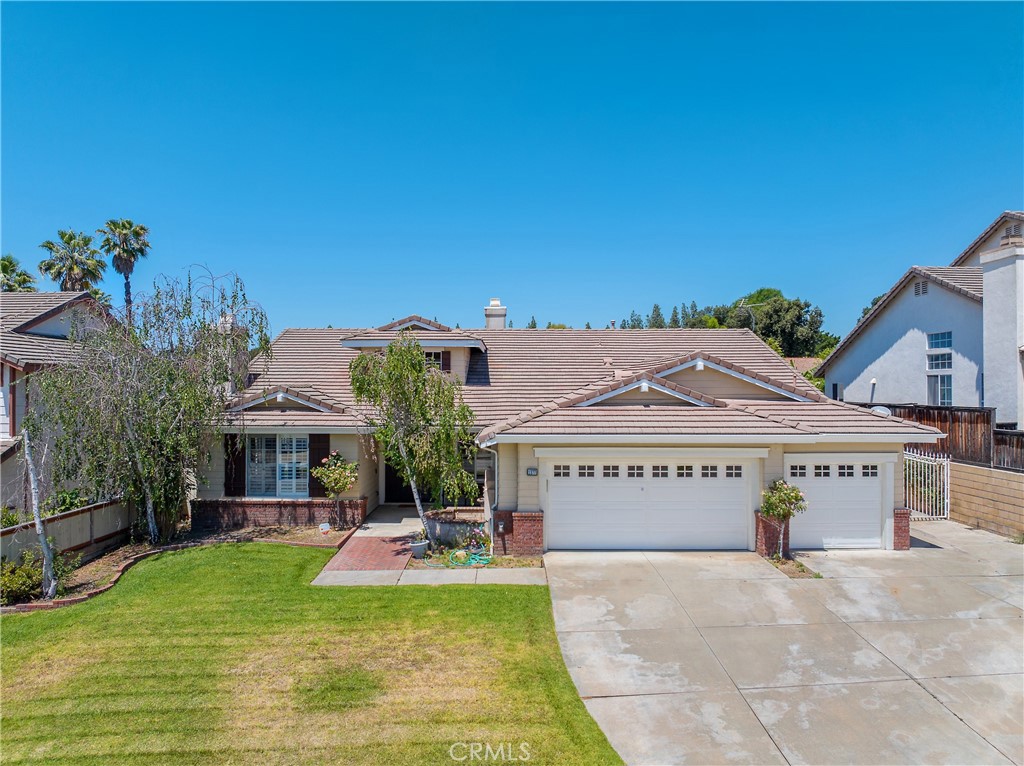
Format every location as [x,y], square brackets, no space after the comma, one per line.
[597,438]
[34,330]
[944,335]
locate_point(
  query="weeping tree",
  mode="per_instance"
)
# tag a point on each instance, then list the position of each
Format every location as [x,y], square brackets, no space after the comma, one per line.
[418,417]
[136,411]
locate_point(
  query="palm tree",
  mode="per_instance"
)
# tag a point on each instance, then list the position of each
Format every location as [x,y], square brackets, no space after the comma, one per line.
[74,263]
[13,278]
[125,242]
[101,297]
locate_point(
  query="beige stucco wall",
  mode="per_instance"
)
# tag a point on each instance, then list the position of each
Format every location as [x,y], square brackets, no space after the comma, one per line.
[210,484]
[508,477]
[528,486]
[718,384]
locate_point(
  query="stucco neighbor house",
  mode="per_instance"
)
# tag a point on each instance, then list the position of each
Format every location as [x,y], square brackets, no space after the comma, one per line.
[34,329]
[944,335]
[594,439]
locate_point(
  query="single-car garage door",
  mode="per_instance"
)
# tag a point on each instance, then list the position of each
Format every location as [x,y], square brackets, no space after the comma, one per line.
[628,503]
[844,501]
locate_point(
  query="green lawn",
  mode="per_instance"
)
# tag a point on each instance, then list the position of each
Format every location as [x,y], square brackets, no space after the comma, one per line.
[226,655]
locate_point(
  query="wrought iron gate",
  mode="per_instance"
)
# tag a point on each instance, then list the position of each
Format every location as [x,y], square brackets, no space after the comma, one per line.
[926,485]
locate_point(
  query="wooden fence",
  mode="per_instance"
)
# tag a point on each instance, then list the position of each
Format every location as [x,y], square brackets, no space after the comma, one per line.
[971,436]
[87,531]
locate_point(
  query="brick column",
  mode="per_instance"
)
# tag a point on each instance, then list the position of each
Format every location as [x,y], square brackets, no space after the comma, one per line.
[523,535]
[901,529]
[767,541]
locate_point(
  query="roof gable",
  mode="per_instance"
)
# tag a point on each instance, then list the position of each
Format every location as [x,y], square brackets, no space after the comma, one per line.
[967,257]
[416,322]
[962,280]
[646,390]
[699,362]
[309,400]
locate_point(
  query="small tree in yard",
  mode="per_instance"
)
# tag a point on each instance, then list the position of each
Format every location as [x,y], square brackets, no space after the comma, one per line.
[779,503]
[418,417]
[138,408]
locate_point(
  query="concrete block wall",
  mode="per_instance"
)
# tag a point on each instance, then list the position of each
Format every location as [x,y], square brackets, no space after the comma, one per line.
[987,498]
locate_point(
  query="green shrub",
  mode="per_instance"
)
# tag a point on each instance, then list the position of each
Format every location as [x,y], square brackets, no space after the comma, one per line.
[63,500]
[20,580]
[9,517]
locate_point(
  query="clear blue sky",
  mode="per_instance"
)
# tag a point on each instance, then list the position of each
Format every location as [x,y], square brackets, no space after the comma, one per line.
[355,163]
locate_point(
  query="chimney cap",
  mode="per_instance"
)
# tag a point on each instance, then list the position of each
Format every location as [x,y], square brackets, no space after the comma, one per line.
[495,301]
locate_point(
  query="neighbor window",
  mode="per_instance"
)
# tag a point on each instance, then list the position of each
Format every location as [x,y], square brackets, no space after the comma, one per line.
[940,340]
[869,471]
[940,390]
[797,471]
[610,472]
[940,361]
[659,471]
[278,466]
[634,472]
[821,471]
[845,471]
[433,358]
[837,392]
[561,472]
[734,472]
[709,471]
[586,472]
[684,471]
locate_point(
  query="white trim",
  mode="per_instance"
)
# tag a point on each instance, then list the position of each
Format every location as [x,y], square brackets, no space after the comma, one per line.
[649,384]
[440,343]
[1013,251]
[710,438]
[651,452]
[733,373]
[286,395]
[841,457]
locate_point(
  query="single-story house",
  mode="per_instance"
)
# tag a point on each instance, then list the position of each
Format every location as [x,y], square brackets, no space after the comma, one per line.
[34,330]
[595,439]
[944,335]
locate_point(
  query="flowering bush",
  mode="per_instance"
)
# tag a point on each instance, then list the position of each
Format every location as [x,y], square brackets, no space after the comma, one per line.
[336,474]
[781,502]
[475,538]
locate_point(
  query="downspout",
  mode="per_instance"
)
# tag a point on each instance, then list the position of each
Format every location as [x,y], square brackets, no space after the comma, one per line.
[495,453]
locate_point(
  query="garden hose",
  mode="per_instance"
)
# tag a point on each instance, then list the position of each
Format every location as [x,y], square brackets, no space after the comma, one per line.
[471,559]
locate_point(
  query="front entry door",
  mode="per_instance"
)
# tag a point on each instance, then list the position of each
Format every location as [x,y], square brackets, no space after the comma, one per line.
[396,490]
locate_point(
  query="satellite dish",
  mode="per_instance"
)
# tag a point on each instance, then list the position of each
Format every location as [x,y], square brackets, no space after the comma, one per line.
[881,410]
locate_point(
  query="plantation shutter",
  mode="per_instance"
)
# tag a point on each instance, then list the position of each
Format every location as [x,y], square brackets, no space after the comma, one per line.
[319,448]
[234,466]
[446,361]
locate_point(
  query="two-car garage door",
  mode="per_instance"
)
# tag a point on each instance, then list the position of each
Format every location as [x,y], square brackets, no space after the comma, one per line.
[632,503]
[707,502]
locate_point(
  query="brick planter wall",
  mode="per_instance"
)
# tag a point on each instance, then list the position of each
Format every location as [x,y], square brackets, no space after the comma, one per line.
[767,543]
[235,512]
[524,533]
[901,529]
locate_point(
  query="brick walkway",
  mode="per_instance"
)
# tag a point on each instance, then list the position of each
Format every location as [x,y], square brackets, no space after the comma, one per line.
[371,553]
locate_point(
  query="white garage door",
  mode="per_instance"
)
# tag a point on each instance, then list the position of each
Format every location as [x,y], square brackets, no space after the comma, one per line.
[844,502]
[609,503]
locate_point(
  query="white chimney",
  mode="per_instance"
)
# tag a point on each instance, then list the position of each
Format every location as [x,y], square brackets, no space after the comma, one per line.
[494,315]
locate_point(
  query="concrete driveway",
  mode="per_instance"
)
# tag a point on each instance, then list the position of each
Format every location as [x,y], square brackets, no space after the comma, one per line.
[714,658]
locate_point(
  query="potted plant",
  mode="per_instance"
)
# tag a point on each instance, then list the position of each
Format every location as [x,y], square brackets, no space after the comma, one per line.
[419,544]
[780,503]
[337,475]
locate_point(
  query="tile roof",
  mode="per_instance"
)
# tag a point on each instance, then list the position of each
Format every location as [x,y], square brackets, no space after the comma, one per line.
[535,376]
[19,312]
[964,279]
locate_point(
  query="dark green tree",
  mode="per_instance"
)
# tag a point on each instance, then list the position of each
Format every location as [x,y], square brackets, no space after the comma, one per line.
[532,324]
[656,320]
[674,321]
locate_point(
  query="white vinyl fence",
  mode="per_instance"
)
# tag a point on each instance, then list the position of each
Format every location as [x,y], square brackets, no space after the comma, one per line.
[926,485]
